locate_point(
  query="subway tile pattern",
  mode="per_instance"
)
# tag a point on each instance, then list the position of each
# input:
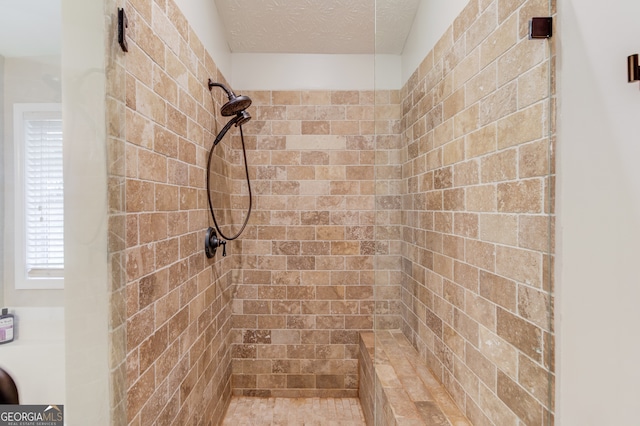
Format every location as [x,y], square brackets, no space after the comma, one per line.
[308,268]
[293,411]
[478,213]
[425,209]
[397,388]
[177,303]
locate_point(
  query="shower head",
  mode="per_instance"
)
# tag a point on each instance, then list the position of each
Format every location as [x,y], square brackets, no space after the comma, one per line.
[240,118]
[235,105]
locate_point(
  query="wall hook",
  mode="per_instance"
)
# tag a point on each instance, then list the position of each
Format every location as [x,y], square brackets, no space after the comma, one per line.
[541,27]
[633,68]
[123,23]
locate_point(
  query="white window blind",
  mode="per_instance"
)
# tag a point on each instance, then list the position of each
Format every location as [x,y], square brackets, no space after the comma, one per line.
[39,196]
[43,196]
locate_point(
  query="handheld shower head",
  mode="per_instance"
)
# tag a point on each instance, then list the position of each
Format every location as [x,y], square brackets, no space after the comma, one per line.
[235,104]
[240,118]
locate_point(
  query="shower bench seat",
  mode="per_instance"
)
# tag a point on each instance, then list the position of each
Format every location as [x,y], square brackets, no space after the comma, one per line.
[397,388]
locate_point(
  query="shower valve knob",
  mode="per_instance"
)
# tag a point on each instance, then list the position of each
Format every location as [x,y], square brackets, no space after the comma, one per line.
[212,242]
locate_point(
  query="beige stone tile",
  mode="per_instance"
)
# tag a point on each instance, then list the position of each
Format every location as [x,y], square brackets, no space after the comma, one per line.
[523,196]
[285,98]
[507,7]
[453,104]
[495,409]
[536,233]
[498,104]
[499,42]
[467,121]
[534,159]
[482,27]
[499,228]
[480,309]
[498,290]
[140,66]
[536,380]
[519,401]
[453,152]
[534,305]
[462,22]
[523,57]
[139,130]
[523,126]
[533,86]
[466,174]
[524,266]
[523,335]
[149,104]
[482,84]
[481,254]
[301,112]
[316,127]
[349,97]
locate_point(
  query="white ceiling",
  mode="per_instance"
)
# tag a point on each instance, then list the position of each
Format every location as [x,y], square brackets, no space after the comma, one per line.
[317,26]
[29,27]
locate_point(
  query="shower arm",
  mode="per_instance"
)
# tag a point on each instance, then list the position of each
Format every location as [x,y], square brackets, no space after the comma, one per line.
[213,84]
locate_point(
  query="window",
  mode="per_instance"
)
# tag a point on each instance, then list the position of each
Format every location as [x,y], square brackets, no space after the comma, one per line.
[39,191]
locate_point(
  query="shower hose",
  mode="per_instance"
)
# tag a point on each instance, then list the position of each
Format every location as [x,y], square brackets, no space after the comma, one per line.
[246,169]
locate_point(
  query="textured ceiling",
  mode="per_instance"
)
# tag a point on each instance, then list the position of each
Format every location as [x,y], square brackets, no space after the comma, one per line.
[317,26]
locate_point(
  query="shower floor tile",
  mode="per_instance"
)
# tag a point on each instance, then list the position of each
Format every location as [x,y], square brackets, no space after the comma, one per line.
[253,411]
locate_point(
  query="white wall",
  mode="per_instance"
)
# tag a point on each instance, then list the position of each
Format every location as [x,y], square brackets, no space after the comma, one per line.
[432,20]
[262,71]
[598,200]
[35,359]
[85,160]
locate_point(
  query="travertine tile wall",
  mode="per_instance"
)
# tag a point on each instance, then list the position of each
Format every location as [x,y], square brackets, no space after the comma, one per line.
[477,226]
[178,313]
[308,256]
[331,240]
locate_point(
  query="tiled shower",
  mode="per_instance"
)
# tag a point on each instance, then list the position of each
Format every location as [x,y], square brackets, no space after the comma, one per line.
[426,209]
